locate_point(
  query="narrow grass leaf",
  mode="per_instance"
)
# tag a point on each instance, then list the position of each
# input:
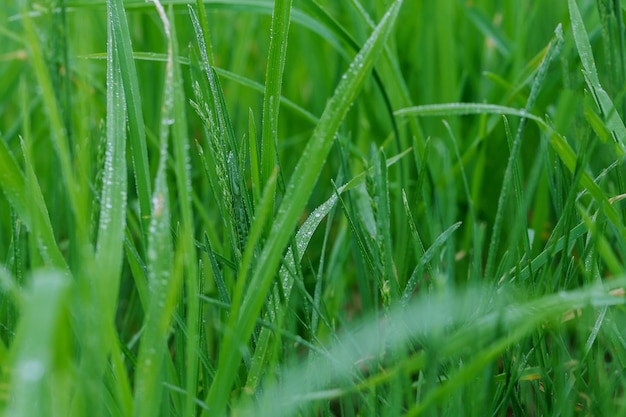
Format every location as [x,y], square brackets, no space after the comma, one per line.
[137,136]
[279,33]
[390,286]
[463,109]
[109,248]
[424,262]
[163,279]
[555,46]
[177,118]
[162,289]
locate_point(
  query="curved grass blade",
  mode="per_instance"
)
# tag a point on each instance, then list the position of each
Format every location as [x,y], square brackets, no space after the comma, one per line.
[466,320]
[463,109]
[558,142]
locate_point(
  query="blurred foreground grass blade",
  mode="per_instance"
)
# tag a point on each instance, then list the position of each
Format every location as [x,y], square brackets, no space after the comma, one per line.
[121,37]
[612,118]
[245,312]
[469,323]
[58,131]
[281,17]
[41,367]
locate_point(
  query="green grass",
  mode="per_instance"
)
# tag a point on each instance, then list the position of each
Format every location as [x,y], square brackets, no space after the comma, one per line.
[307,207]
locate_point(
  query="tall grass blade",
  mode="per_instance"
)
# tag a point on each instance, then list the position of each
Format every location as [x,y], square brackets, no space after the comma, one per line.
[109,253]
[553,52]
[137,136]
[279,32]
[244,312]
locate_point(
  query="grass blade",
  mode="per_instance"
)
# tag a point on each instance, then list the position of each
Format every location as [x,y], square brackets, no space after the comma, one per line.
[279,33]
[553,52]
[109,253]
[121,37]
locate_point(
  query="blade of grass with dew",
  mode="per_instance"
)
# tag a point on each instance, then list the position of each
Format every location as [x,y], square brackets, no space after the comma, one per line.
[558,142]
[163,289]
[41,376]
[424,261]
[613,120]
[244,311]
[239,79]
[99,293]
[390,283]
[463,109]
[162,280]
[183,182]
[109,249]
[137,136]
[335,33]
[279,33]
[234,199]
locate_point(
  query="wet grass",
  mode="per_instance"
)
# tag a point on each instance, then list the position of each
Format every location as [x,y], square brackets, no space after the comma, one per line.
[312,208]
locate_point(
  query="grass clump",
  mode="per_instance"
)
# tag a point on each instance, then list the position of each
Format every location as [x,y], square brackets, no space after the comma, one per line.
[312,208]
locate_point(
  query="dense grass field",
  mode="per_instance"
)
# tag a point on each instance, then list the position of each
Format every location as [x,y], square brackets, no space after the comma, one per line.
[312,208]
